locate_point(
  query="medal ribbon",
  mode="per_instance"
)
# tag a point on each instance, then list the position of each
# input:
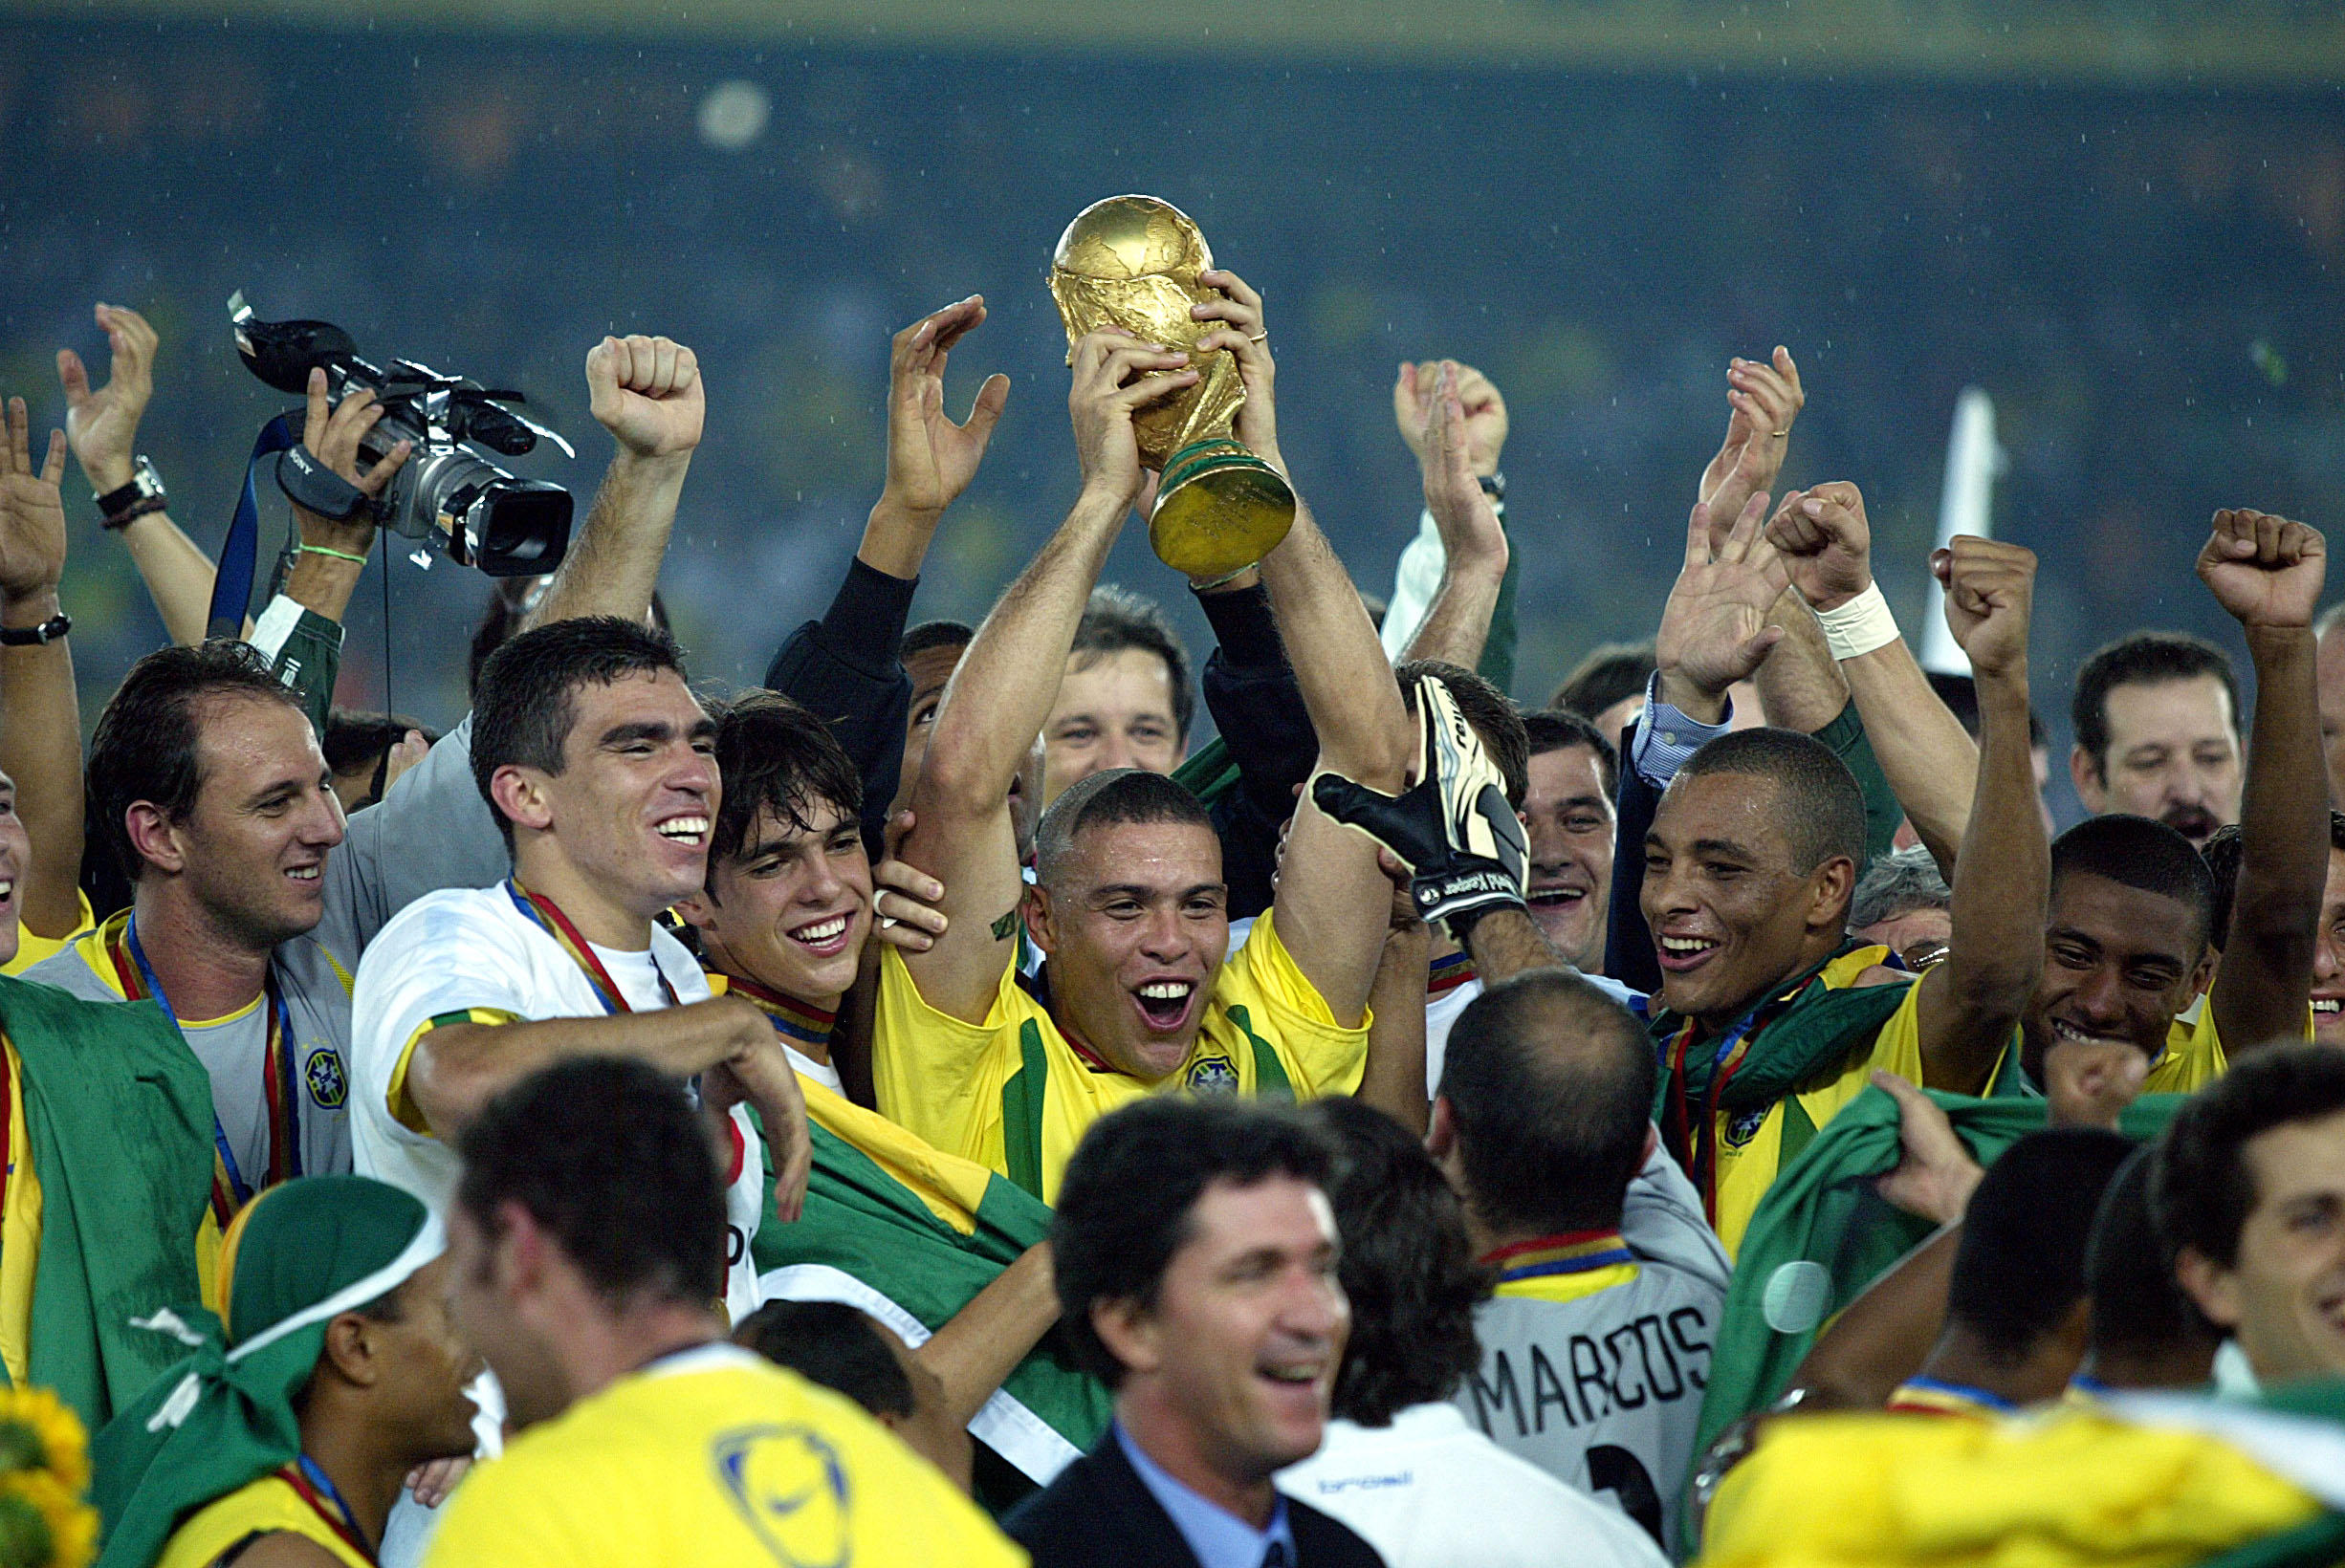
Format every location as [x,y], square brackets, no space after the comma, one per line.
[315,1487]
[1566,1252]
[792,1019]
[230,1190]
[543,912]
[1693,1143]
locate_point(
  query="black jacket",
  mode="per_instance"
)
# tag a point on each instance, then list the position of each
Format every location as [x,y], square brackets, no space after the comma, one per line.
[1098,1511]
[844,667]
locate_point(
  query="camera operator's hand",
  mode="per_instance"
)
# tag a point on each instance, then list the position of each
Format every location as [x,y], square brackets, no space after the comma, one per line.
[32,518]
[333,436]
[1116,375]
[647,393]
[1246,337]
[103,424]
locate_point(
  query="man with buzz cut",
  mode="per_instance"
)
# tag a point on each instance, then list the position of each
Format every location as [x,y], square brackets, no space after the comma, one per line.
[1768,1020]
[1139,991]
[597,760]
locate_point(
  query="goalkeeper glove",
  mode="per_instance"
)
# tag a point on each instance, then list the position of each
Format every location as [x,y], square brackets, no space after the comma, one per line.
[1461,842]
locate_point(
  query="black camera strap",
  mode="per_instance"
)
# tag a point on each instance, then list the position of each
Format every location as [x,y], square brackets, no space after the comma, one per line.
[311,486]
[231,584]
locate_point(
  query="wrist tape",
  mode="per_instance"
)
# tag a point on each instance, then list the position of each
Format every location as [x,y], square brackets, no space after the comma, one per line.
[1860,626]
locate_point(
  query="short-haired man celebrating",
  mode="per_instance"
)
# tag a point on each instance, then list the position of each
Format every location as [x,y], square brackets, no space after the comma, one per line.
[587,1235]
[2156,722]
[596,758]
[1130,904]
[948,1252]
[1768,1018]
[1125,701]
[249,910]
[290,1432]
[1544,1123]
[1197,1254]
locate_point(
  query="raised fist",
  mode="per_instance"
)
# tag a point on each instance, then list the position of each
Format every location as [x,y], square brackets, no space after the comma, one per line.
[646,392]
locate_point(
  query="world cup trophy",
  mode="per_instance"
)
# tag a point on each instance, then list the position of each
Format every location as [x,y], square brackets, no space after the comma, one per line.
[1132,262]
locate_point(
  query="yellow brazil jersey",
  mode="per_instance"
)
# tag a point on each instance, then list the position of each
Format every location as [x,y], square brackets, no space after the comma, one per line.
[30,949]
[713,1457]
[1753,1148]
[2194,1055]
[1013,1094]
[267,1507]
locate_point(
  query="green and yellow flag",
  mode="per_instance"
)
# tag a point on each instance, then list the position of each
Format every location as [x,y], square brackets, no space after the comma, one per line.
[910,1234]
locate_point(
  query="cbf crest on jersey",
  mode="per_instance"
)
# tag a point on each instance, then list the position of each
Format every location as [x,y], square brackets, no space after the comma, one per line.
[1742,1129]
[328,1085]
[1212,1075]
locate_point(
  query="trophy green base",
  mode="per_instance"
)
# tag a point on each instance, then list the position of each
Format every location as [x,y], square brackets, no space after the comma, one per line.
[1219,509]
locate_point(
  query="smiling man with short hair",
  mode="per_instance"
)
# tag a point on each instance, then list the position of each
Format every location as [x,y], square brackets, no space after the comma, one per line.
[1196,1254]
[598,764]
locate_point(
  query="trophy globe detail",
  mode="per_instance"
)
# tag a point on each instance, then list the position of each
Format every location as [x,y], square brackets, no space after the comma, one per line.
[1132,262]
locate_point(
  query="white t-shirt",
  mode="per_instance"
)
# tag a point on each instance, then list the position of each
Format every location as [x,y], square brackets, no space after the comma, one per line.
[1442,1013]
[469,955]
[1430,1492]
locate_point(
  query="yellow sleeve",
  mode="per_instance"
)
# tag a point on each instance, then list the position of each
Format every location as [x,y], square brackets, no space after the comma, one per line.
[397,1101]
[1285,1011]
[938,1076]
[32,948]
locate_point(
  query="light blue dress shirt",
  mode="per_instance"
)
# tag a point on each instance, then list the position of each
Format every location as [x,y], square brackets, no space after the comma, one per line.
[1219,1538]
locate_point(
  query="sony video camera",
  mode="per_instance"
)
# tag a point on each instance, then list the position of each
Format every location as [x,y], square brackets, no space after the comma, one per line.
[448,492]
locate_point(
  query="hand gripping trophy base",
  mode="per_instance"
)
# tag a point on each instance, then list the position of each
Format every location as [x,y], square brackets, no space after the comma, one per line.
[1219,509]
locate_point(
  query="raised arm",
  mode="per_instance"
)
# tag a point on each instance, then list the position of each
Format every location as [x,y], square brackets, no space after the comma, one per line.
[102,425]
[646,392]
[1007,682]
[844,667]
[2268,573]
[1969,1004]
[1330,897]
[40,729]
[1930,760]
[931,460]
[1474,548]
[332,552]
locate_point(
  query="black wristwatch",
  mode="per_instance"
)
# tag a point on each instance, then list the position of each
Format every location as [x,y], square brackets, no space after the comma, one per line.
[141,495]
[26,637]
[1494,486]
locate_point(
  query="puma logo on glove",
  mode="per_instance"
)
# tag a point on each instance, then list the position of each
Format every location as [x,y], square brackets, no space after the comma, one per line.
[1461,842]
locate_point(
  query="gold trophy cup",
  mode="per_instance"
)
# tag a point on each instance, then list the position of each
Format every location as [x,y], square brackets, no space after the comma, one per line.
[1132,262]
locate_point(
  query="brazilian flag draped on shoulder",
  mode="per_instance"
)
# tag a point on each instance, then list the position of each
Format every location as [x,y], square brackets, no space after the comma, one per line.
[1799,1036]
[911,1233]
[117,1125]
[1823,1234]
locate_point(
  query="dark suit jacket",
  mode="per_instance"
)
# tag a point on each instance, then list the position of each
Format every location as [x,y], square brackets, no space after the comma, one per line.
[1098,1511]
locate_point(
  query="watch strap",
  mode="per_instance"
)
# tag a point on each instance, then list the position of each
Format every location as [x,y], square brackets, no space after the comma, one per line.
[48,631]
[145,485]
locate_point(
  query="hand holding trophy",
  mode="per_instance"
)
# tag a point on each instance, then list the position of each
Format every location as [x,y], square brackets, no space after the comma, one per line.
[1134,262]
